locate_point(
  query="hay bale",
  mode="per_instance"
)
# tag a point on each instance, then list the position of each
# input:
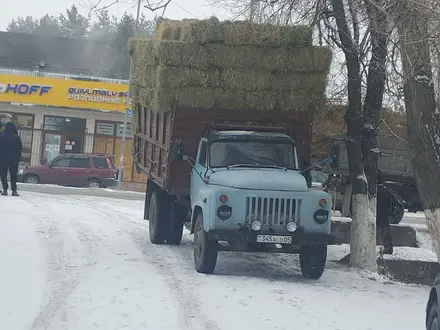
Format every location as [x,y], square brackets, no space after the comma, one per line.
[202,32]
[168,30]
[251,79]
[171,52]
[169,76]
[165,99]
[267,35]
[296,36]
[307,59]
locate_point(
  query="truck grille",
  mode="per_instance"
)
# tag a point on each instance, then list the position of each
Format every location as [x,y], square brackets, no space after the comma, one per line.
[272,211]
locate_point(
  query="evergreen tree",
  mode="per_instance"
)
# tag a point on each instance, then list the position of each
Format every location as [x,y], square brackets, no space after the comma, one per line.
[73,24]
[48,26]
[23,25]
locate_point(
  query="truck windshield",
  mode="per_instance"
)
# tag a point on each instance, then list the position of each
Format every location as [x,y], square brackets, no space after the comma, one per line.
[252,154]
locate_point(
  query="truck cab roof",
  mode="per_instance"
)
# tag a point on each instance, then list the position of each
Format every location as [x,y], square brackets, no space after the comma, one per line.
[248,135]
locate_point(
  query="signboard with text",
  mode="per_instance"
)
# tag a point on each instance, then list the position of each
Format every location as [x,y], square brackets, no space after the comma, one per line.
[59,92]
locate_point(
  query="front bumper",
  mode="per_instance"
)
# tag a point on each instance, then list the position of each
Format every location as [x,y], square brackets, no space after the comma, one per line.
[246,240]
[109,182]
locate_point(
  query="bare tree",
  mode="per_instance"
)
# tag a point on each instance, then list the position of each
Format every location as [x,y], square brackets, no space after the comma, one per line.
[422,112]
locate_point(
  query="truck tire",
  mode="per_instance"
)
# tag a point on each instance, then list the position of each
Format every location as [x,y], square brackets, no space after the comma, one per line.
[205,252]
[158,217]
[178,214]
[432,320]
[312,259]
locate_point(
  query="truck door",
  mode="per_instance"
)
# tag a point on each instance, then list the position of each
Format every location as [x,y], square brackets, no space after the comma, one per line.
[200,167]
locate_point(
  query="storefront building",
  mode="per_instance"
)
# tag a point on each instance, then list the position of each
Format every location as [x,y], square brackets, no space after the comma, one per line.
[58,114]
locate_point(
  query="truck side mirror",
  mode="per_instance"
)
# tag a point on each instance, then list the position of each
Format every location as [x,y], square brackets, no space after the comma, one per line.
[178,152]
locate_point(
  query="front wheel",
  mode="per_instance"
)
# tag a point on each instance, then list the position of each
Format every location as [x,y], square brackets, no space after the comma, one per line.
[312,259]
[31,179]
[432,321]
[94,184]
[205,252]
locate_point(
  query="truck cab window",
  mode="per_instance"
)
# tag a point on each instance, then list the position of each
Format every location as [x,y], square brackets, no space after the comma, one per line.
[202,155]
[252,153]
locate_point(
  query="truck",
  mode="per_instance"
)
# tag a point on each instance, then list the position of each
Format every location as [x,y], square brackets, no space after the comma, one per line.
[394,163]
[239,180]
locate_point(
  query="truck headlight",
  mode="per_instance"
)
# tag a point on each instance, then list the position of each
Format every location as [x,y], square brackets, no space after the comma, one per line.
[256,225]
[224,212]
[20,171]
[321,216]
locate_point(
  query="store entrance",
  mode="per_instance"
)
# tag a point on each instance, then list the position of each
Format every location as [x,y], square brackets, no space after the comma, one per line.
[62,135]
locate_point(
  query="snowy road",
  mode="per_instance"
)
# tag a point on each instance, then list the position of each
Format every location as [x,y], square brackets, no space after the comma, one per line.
[83,262]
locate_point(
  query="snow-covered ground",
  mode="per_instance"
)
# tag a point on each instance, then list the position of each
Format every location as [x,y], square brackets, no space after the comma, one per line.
[83,262]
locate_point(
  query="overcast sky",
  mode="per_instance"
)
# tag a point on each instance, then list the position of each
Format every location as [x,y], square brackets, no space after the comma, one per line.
[177,9]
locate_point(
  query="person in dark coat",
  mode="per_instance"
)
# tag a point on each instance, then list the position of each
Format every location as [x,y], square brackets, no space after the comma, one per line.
[10,155]
[389,205]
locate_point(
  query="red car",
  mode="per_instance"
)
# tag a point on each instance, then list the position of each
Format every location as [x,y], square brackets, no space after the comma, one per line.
[75,170]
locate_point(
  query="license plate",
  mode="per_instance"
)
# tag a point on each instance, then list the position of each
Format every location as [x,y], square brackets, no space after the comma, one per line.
[274,239]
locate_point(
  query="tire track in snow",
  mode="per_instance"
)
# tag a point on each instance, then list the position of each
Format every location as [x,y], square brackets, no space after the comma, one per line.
[63,276]
[170,263]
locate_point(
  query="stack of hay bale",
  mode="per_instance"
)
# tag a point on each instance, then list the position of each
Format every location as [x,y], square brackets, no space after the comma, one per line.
[212,64]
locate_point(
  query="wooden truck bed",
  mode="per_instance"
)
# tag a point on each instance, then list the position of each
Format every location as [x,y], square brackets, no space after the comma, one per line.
[156,132]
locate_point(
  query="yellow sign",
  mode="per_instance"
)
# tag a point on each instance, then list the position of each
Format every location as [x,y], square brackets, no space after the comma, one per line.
[59,92]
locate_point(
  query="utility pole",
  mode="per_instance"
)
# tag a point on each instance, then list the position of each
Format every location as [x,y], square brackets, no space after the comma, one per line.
[128,108]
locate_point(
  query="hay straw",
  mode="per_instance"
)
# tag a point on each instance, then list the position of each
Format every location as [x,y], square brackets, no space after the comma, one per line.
[202,32]
[170,52]
[307,59]
[165,99]
[266,35]
[168,30]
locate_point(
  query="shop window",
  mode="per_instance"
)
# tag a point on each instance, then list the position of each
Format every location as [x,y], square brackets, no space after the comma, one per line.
[64,124]
[108,140]
[105,129]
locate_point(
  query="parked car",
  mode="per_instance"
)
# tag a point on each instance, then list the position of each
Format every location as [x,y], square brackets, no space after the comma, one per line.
[432,309]
[75,170]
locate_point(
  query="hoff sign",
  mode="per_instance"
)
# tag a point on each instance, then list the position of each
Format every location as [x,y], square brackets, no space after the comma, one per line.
[61,92]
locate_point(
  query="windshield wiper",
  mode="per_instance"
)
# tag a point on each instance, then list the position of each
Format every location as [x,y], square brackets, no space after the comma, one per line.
[257,165]
[242,165]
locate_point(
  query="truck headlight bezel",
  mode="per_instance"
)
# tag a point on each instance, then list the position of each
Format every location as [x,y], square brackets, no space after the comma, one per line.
[321,216]
[224,212]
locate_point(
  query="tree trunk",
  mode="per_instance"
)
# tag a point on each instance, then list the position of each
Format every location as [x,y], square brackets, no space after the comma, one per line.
[362,247]
[422,113]
[373,103]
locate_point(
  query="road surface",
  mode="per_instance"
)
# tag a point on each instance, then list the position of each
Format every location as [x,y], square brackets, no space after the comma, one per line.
[82,262]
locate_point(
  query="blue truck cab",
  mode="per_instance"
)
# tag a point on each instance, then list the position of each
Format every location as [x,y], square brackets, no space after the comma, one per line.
[247,190]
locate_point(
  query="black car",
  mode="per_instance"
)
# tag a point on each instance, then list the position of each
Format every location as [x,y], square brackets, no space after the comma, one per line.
[432,308]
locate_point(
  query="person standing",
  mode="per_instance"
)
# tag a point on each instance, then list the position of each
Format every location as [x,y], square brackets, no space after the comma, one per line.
[389,205]
[10,155]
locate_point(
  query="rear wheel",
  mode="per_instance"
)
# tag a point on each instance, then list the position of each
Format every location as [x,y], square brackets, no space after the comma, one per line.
[93,184]
[158,217]
[205,252]
[178,214]
[312,259]
[32,179]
